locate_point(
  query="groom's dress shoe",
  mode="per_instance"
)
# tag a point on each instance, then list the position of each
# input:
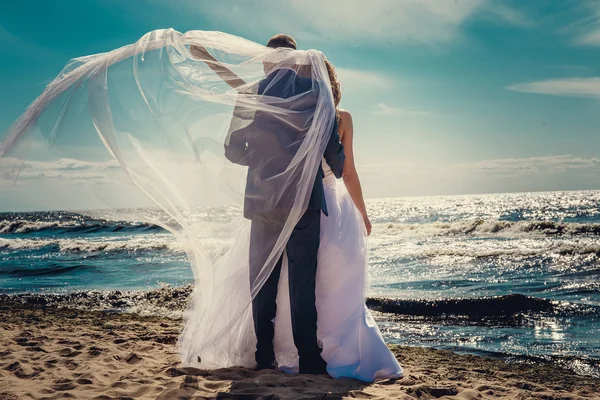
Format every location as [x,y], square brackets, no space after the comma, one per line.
[316,367]
[265,366]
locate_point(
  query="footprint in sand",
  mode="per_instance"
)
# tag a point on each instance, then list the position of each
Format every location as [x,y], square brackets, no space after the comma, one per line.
[95,351]
[23,371]
[68,342]
[36,349]
[25,342]
[63,385]
[436,392]
[68,352]
[70,364]
[13,367]
[133,359]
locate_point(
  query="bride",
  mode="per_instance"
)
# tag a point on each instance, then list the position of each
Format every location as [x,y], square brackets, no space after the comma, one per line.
[162,108]
[351,341]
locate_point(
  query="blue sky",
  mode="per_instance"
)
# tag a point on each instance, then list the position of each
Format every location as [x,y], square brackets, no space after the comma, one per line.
[448,97]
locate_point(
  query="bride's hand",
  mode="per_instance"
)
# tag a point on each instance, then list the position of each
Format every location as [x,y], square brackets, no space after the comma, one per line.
[367,224]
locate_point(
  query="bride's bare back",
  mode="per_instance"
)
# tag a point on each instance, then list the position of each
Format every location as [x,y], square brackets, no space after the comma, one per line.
[350,175]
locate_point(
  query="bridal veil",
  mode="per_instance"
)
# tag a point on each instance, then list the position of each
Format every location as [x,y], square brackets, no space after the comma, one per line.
[158,120]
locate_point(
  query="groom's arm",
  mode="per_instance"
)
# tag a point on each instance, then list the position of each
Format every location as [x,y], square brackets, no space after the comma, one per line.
[334,152]
[229,77]
[236,149]
[236,143]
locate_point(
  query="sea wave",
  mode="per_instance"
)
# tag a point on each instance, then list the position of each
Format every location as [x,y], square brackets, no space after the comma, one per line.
[163,242]
[470,227]
[73,226]
[480,307]
[479,250]
[481,227]
[51,269]
[67,245]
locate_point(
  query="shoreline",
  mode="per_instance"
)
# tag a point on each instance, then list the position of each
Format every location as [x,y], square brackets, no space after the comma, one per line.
[50,352]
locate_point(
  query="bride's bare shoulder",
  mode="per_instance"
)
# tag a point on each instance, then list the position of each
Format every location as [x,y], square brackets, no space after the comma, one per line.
[345,122]
[345,115]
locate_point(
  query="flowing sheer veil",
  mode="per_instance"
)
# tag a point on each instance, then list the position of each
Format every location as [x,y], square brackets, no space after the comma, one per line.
[161,121]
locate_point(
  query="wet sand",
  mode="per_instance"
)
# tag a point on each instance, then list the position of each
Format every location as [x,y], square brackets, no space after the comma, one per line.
[54,353]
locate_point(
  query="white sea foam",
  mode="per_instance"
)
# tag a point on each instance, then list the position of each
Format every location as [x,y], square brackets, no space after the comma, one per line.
[398,247]
[481,227]
[164,243]
[140,243]
[478,250]
[24,226]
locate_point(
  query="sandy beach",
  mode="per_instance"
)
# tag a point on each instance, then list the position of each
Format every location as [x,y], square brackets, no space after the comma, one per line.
[53,353]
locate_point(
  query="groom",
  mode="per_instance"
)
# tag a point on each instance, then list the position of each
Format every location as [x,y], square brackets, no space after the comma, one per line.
[249,146]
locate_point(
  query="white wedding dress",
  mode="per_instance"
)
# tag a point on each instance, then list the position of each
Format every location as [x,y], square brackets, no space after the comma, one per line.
[352,343]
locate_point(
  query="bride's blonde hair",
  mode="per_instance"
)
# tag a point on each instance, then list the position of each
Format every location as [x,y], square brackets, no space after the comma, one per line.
[335,86]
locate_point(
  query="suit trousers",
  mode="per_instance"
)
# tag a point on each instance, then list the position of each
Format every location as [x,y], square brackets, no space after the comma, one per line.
[302,250]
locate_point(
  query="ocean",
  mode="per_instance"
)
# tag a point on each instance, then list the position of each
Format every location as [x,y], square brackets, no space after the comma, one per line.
[505,275]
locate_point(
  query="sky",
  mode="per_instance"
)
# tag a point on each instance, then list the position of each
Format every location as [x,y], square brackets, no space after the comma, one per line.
[447,97]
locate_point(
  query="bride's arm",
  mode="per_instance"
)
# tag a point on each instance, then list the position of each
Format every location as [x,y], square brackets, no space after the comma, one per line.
[229,77]
[350,175]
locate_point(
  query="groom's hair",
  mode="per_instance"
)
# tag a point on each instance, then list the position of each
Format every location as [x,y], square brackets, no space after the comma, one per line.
[282,40]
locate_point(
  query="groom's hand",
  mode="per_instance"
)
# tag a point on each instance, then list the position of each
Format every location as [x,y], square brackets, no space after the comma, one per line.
[200,53]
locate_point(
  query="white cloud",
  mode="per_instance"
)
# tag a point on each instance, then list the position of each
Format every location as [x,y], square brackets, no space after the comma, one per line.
[386,109]
[513,167]
[71,170]
[585,29]
[391,177]
[409,20]
[591,38]
[508,15]
[355,80]
[416,177]
[501,166]
[573,87]
[376,22]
